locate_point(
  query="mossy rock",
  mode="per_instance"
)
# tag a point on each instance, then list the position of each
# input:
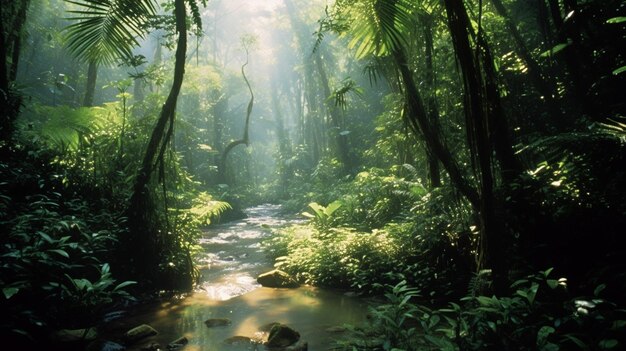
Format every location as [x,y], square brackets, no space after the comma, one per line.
[239,340]
[74,335]
[277,279]
[282,336]
[217,322]
[141,332]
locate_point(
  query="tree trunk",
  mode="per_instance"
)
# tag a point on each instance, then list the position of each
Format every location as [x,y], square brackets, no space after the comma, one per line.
[6,123]
[491,254]
[92,76]
[419,121]
[143,243]
[313,138]
[20,19]
[13,17]
[343,148]
[245,139]
[284,146]
[431,99]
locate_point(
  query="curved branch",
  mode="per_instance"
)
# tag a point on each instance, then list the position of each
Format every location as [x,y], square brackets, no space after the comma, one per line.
[246,139]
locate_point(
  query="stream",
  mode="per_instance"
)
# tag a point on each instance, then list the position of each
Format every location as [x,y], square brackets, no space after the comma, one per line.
[228,289]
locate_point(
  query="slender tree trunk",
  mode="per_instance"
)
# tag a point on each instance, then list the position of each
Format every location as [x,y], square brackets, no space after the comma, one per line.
[7,113]
[419,121]
[219,108]
[92,76]
[13,17]
[431,100]
[20,19]
[343,148]
[138,93]
[313,136]
[4,55]
[283,141]
[491,253]
[245,139]
[544,23]
[144,244]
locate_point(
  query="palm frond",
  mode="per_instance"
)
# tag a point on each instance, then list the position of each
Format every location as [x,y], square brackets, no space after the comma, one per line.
[379,27]
[105,30]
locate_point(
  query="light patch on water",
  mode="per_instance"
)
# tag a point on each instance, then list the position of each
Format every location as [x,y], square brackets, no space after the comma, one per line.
[230,286]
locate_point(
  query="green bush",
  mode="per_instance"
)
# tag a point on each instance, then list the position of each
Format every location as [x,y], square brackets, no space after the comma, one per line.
[539,315]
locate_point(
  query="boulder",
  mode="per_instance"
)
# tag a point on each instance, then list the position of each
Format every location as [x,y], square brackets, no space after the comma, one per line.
[73,335]
[178,343]
[282,336]
[267,327]
[299,346]
[141,332]
[217,322]
[151,346]
[239,340]
[277,279]
[105,345]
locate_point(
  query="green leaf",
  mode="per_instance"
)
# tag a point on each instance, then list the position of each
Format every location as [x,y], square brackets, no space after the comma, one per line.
[619,70]
[124,284]
[485,301]
[9,292]
[46,237]
[105,269]
[434,320]
[608,343]
[332,207]
[552,283]
[543,334]
[598,289]
[104,31]
[556,49]
[60,252]
[616,20]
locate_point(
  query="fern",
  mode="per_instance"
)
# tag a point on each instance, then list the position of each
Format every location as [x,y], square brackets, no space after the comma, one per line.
[480,283]
[64,126]
[205,209]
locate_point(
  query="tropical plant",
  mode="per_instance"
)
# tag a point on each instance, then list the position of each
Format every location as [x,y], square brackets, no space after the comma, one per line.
[321,216]
[515,322]
[106,31]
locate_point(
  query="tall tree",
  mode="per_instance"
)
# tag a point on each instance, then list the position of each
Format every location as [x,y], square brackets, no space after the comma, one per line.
[105,31]
[12,19]
[245,139]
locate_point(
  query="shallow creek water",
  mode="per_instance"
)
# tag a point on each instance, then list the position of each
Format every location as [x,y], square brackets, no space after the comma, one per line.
[228,289]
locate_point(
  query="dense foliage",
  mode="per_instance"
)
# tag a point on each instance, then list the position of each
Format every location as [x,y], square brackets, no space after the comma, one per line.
[450,156]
